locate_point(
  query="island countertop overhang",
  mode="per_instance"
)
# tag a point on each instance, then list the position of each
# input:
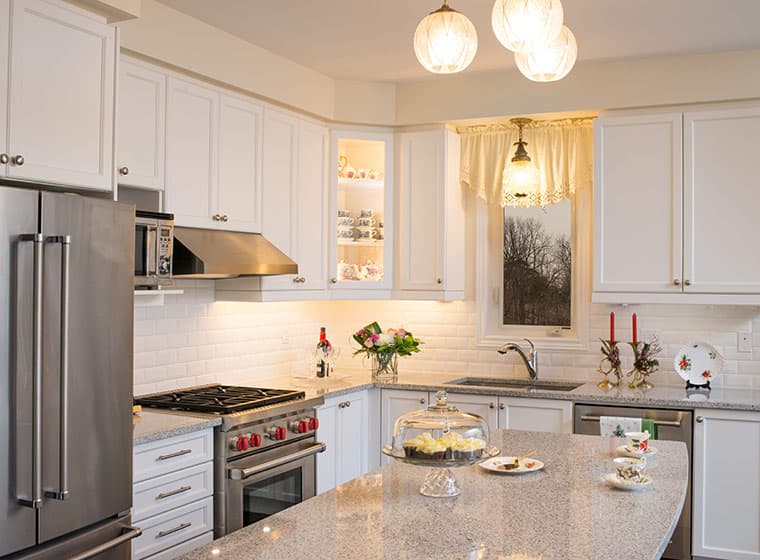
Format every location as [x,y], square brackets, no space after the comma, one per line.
[565,512]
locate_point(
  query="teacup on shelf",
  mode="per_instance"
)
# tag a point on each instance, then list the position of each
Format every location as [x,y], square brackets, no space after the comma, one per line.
[366,213]
[347,271]
[345,221]
[344,214]
[366,222]
[368,233]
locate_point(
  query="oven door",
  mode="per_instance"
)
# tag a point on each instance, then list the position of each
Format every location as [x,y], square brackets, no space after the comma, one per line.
[261,485]
[146,253]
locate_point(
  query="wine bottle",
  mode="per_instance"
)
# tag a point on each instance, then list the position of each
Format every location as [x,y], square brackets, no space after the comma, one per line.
[323,349]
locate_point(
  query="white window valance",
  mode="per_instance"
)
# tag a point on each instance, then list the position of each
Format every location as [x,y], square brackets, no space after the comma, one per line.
[563,150]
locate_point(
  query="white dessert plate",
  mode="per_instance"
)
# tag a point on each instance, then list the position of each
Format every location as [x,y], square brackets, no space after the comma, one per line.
[698,363]
[496,464]
[625,451]
[613,480]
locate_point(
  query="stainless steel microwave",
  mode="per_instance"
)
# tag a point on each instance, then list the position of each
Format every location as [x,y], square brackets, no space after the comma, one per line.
[154,241]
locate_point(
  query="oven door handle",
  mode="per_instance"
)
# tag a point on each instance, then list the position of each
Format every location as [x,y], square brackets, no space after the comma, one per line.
[242,474]
[670,423]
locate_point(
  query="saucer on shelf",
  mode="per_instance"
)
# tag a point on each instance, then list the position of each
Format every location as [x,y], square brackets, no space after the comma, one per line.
[626,451]
[613,480]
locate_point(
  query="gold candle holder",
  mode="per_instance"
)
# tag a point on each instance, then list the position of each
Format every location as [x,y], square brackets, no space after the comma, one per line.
[610,364]
[645,363]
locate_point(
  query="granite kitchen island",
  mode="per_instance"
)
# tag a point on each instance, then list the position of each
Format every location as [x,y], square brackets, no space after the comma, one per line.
[564,512]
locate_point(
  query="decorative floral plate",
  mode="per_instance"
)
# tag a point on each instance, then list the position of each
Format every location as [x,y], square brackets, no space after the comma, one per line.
[698,363]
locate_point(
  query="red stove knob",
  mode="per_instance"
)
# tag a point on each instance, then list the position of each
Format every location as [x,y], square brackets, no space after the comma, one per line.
[303,427]
[280,434]
[255,440]
[242,443]
[313,423]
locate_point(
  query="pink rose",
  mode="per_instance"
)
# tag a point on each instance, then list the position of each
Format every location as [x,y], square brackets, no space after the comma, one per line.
[401,332]
[368,343]
[374,337]
[360,333]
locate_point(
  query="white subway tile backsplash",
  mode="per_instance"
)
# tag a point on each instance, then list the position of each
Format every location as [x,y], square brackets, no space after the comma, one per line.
[193,340]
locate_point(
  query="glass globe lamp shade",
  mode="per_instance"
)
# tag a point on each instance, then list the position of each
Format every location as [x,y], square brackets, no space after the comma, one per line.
[521,180]
[523,25]
[445,41]
[551,62]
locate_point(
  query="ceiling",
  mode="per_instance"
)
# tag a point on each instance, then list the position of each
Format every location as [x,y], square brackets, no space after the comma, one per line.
[372,40]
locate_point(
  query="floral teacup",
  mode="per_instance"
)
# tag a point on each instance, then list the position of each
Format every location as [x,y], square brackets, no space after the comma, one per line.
[629,468]
[347,271]
[638,441]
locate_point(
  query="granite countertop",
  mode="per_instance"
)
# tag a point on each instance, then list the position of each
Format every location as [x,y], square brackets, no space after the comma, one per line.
[563,512]
[152,426]
[659,396]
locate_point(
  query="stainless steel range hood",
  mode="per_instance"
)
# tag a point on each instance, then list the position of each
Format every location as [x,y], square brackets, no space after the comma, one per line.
[208,253]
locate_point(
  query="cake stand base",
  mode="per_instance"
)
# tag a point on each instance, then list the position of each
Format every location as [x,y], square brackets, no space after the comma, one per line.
[440,483]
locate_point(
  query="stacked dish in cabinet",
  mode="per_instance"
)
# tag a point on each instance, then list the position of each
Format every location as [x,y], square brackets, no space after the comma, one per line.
[173,495]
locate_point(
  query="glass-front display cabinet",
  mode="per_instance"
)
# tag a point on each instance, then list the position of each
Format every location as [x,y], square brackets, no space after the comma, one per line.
[362,207]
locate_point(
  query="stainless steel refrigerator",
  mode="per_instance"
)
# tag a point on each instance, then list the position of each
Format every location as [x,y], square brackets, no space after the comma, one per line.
[66,320]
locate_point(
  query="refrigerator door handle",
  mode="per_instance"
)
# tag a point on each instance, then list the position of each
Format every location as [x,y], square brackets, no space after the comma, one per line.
[63,458]
[35,501]
[128,534]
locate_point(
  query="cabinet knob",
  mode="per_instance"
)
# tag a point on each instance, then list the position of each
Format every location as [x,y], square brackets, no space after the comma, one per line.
[124,170]
[4,158]
[18,160]
[422,401]
[502,406]
[700,419]
[676,282]
[216,217]
[491,405]
[225,218]
[348,404]
[438,281]
[295,280]
[687,282]
[333,280]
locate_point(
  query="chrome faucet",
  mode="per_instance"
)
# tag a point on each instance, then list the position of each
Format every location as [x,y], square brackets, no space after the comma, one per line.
[531,363]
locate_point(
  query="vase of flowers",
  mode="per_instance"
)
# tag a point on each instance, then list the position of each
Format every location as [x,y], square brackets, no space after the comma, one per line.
[384,348]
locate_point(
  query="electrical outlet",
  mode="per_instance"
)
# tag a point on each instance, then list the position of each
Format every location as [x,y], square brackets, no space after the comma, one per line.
[745,342]
[285,340]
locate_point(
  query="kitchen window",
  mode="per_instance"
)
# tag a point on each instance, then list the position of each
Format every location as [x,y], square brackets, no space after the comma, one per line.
[533,264]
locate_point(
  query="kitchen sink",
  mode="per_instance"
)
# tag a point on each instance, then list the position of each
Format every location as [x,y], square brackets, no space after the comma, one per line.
[517,384]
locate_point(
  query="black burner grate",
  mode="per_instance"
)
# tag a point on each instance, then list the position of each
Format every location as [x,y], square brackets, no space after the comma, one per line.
[219,399]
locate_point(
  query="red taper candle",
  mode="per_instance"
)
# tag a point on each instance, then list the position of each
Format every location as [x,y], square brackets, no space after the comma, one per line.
[612,326]
[634,328]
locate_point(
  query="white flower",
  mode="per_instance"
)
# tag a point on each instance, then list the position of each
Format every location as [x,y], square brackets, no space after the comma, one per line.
[385,338]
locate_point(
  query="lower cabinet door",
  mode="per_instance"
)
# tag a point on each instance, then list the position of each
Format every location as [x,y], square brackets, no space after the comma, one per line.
[173,527]
[536,415]
[353,430]
[394,403]
[328,434]
[726,485]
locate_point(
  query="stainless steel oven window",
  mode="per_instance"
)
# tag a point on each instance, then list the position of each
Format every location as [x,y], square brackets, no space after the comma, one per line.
[271,495]
[141,244]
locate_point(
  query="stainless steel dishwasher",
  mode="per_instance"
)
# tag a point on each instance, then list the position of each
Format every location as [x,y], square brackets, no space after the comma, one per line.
[673,425]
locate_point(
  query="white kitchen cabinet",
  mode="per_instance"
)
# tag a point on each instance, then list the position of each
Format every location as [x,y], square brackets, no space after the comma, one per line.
[344,427]
[239,197]
[726,485]
[431,232]
[721,198]
[60,106]
[394,403]
[192,127]
[637,203]
[486,406]
[674,201]
[173,494]
[141,133]
[5,14]
[536,415]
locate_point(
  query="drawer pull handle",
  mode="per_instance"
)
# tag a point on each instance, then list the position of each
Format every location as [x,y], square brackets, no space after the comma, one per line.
[173,455]
[179,490]
[168,532]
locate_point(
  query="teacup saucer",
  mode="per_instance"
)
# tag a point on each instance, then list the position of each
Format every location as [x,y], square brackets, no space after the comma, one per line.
[613,480]
[625,451]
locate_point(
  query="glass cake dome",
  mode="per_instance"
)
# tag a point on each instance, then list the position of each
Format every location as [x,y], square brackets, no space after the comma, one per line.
[440,436]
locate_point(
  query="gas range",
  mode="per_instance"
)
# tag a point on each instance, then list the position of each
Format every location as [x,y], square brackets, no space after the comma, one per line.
[266,436]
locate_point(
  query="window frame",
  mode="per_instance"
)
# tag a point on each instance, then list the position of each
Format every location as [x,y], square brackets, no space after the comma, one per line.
[489,262]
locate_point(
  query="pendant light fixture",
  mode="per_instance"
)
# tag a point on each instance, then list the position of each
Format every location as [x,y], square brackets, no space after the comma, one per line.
[523,25]
[552,61]
[445,41]
[521,181]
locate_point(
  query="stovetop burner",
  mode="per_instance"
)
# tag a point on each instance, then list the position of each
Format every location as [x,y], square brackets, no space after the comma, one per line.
[219,399]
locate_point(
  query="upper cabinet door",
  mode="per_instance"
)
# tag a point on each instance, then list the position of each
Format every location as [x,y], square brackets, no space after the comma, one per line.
[61,106]
[240,159]
[141,126]
[311,206]
[192,123]
[280,200]
[722,197]
[420,220]
[5,9]
[637,203]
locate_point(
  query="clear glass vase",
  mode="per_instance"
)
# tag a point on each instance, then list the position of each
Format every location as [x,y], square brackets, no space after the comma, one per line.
[384,366]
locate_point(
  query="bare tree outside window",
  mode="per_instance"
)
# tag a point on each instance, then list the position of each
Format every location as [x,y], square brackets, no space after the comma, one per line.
[537,266]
